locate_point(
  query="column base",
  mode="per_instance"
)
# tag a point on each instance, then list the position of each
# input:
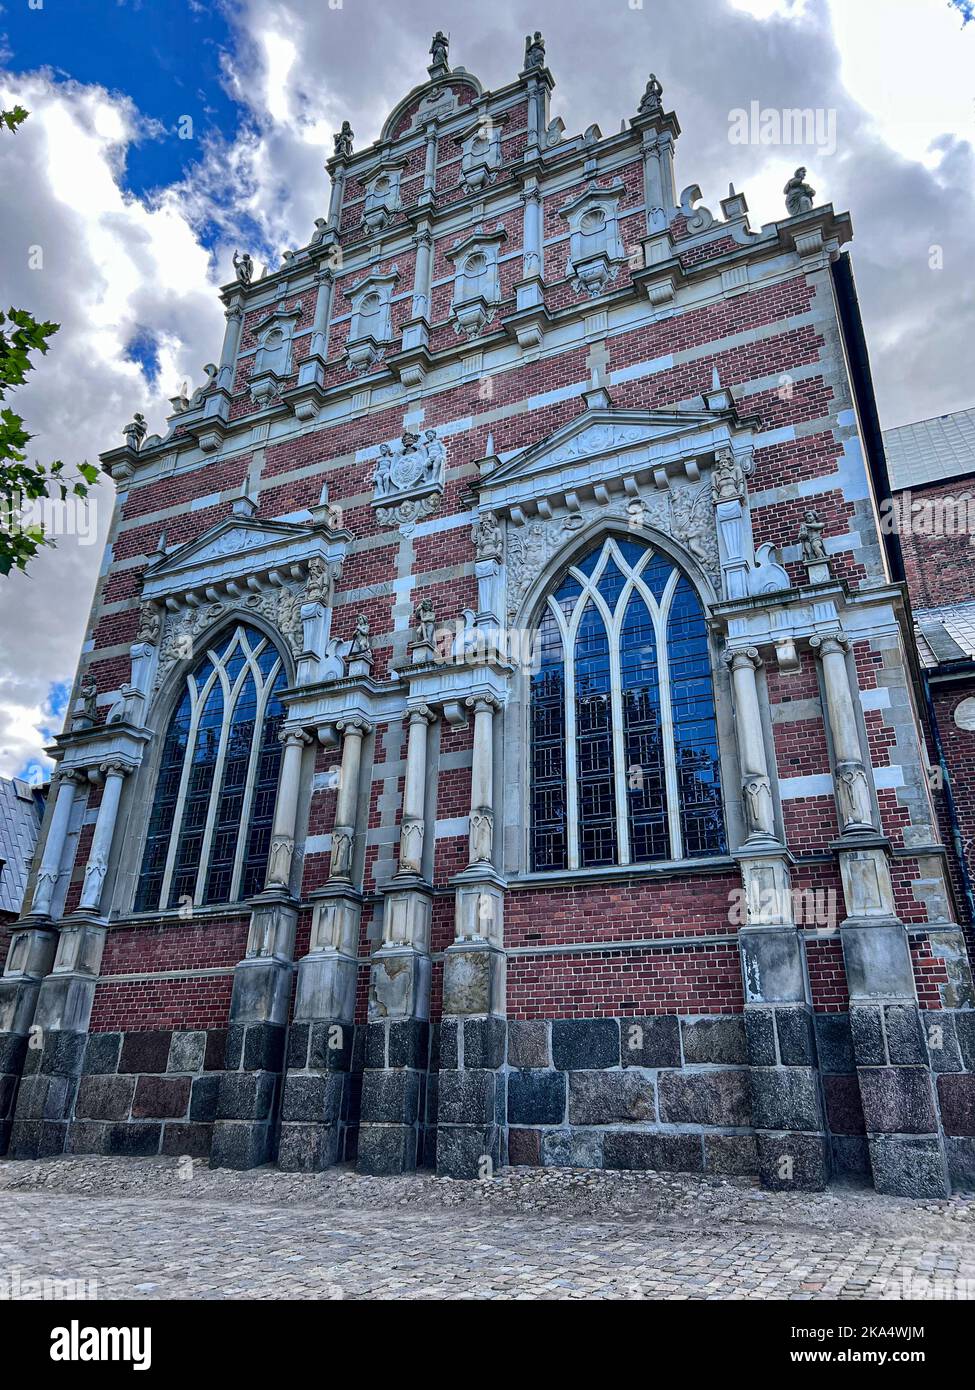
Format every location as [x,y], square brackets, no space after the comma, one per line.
[393,1113]
[46,1095]
[315,1104]
[472,1100]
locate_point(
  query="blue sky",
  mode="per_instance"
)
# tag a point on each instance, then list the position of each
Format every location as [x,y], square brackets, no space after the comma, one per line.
[165,54]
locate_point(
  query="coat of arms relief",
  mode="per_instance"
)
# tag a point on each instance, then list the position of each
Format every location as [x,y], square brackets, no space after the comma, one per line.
[408,481]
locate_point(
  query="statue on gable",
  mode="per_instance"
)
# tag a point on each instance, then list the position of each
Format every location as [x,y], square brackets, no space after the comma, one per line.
[436,457]
[343,141]
[381,477]
[534,52]
[811,539]
[244,267]
[361,648]
[798,195]
[85,705]
[135,432]
[318,585]
[149,624]
[438,52]
[650,102]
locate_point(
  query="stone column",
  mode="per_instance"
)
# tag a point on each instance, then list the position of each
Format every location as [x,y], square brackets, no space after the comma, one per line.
[397,1034]
[472,1107]
[890,1049]
[423,241]
[314,1111]
[787,1109]
[31,956]
[319,328]
[234,314]
[246,1103]
[429,191]
[532,234]
[114,774]
[67,786]
[335,196]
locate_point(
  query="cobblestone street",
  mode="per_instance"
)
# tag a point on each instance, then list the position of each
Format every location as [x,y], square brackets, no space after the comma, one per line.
[167,1229]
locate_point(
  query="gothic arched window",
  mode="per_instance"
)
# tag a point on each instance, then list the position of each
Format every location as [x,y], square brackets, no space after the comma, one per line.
[625,764]
[210,827]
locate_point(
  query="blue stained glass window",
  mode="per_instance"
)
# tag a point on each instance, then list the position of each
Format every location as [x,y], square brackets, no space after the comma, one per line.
[217,779]
[619,789]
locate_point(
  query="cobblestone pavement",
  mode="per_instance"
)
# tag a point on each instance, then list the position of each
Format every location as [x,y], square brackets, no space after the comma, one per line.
[163,1228]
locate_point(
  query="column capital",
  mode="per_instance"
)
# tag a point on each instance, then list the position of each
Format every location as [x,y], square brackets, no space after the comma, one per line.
[292,736]
[478,703]
[741,657]
[354,725]
[76,776]
[420,714]
[116,765]
[828,643]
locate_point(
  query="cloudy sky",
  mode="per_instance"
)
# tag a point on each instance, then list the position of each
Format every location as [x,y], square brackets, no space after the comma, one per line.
[164,133]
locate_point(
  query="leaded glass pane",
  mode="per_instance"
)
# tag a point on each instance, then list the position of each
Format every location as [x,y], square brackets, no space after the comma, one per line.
[695,727]
[646,787]
[548,811]
[594,746]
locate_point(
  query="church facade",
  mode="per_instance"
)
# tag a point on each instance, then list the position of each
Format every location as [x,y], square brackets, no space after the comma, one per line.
[498,737]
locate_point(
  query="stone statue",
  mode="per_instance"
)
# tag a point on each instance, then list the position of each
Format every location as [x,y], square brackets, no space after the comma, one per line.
[728,478]
[318,235]
[149,624]
[689,522]
[487,537]
[343,141]
[244,267]
[534,52]
[381,477]
[361,647]
[85,705]
[424,619]
[438,51]
[798,195]
[650,102]
[135,432]
[436,457]
[318,585]
[811,539]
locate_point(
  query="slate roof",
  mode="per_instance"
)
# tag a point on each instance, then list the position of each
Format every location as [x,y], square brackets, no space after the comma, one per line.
[929,450]
[21,810]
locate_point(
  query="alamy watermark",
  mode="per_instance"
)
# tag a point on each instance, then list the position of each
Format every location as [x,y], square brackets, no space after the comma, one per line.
[47,517]
[810,126]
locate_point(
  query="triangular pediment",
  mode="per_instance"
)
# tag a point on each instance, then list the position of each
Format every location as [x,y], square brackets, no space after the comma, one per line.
[239,547]
[656,436]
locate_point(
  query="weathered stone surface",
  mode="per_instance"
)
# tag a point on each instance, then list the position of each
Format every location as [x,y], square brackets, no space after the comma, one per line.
[905,1036]
[705,1098]
[844,1112]
[760,1037]
[186,1139]
[375,1045]
[63,1053]
[86,1137]
[245,1095]
[409,1042]
[203,1099]
[330,1046]
[653,1041]
[793,1162]
[308,1148]
[144,1052]
[718,1039]
[733,1154]
[607,1097]
[536,1097]
[216,1049]
[524,1147]
[186,1052]
[956,1098]
[239,1145]
[102,1052]
[575,1148]
[386,1149]
[785,1098]
[133,1139]
[105,1097]
[960,1154]
[313,1097]
[944,1053]
[834,1043]
[161,1098]
[851,1154]
[897,1100]
[797,1042]
[585,1043]
[868,1037]
[390,1097]
[904,1166]
[467,1152]
[965,1032]
[263,1047]
[484,1042]
[466,1097]
[529,1043]
[662,1153]
[13,1046]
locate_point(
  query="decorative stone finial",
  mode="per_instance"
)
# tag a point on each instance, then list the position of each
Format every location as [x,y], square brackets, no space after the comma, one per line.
[244,267]
[798,194]
[343,141]
[650,102]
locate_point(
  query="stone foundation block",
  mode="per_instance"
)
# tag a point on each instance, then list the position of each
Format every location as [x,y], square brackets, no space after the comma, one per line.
[525,1148]
[384,1150]
[186,1140]
[468,1151]
[956,1099]
[905,1166]
[529,1043]
[161,1097]
[102,1053]
[187,1051]
[705,1098]
[661,1153]
[134,1140]
[143,1052]
[897,1100]
[103,1097]
[650,1042]
[733,1155]
[579,1148]
[844,1111]
[719,1040]
[793,1162]
[537,1098]
[606,1097]
[390,1097]
[308,1148]
[314,1098]
[584,1044]
[239,1144]
[785,1098]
